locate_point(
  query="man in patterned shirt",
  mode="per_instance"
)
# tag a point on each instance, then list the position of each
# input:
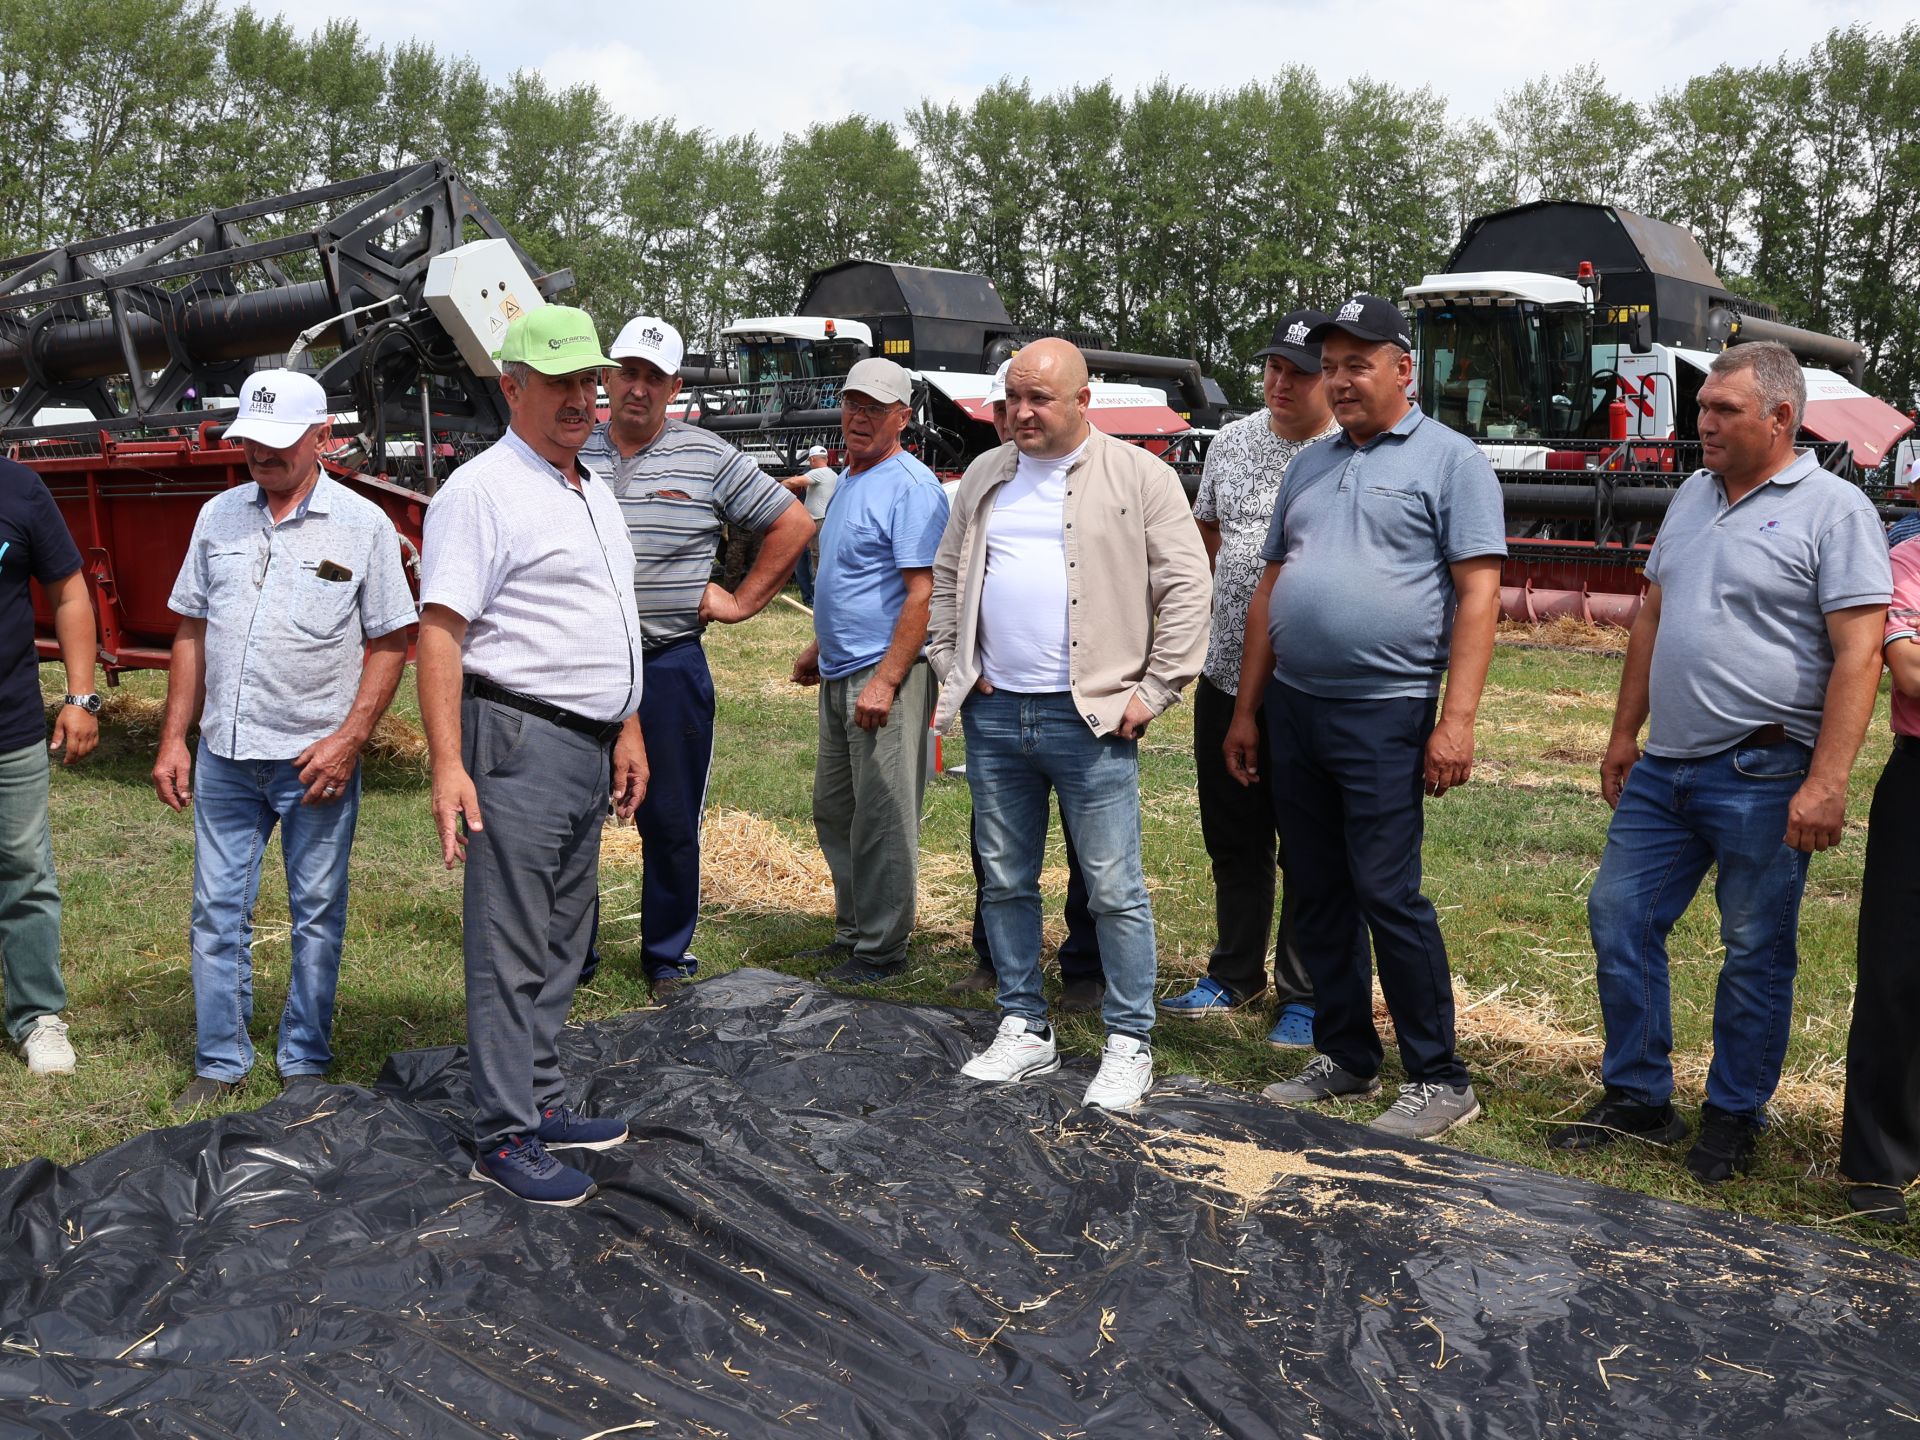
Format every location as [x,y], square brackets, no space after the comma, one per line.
[678,485]
[1234,507]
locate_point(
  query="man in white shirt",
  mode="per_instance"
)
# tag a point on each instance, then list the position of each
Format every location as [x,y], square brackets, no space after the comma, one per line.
[1070,599]
[530,692]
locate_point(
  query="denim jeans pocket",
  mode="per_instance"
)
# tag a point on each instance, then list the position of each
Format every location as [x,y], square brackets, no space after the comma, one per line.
[1786,760]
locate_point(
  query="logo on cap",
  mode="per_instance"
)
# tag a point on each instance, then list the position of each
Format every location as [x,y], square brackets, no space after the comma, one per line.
[1297,333]
[1350,310]
[652,335]
[263,400]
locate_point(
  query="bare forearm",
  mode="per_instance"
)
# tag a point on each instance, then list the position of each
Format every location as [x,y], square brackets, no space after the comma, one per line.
[1631,707]
[186,681]
[1852,689]
[73,628]
[909,634]
[1903,660]
[1210,537]
[1470,656]
[780,551]
[379,678]
[437,674]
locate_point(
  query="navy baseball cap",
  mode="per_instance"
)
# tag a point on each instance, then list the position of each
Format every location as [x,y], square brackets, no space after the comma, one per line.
[1367,317]
[1290,339]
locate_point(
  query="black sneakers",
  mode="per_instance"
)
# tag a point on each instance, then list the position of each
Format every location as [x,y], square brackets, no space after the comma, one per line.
[1616,1116]
[1725,1146]
[1885,1203]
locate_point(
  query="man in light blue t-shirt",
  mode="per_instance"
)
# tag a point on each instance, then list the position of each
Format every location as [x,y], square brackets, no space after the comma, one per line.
[1756,654]
[876,693]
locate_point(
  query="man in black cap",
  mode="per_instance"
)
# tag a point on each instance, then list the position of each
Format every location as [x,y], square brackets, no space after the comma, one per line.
[1238,490]
[1382,576]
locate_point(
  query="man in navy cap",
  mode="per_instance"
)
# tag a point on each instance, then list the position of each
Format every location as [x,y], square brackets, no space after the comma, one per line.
[1382,577]
[1238,489]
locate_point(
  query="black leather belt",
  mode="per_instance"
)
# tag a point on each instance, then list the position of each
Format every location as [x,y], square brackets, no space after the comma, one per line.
[482,689]
[1766,735]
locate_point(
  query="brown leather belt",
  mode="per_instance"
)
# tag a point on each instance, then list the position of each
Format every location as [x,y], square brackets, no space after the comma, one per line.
[1766,735]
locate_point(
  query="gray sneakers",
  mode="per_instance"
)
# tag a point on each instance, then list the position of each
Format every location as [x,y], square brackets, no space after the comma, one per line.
[1321,1080]
[1426,1111]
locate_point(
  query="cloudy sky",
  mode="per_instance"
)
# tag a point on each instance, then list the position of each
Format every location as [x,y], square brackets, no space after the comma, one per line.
[745,65]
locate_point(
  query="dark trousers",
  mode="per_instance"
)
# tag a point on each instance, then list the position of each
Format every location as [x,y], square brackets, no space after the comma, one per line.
[1880,1133]
[528,904]
[1079,953]
[1348,790]
[676,717]
[1243,842]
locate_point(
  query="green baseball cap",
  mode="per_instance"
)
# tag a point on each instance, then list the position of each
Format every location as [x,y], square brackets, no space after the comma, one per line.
[555,340]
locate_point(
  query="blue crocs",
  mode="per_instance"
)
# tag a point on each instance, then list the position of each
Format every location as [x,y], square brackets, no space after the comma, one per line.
[523,1169]
[1294,1030]
[562,1129]
[1208,997]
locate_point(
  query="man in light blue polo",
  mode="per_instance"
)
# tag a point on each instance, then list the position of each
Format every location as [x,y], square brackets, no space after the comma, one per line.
[294,613]
[876,691]
[1382,580]
[1755,662]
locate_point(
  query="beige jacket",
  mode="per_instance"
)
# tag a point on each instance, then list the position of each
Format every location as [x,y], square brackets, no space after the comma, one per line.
[1138,588]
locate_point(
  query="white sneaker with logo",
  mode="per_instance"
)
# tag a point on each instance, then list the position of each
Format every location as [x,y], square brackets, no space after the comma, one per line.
[1016,1054]
[47,1048]
[1125,1075]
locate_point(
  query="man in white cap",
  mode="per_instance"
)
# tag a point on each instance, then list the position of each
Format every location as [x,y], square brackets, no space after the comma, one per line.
[679,486]
[876,692]
[813,487]
[293,611]
[530,680]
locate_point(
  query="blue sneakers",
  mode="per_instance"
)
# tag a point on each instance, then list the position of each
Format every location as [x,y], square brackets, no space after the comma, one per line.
[523,1169]
[1209,997]
[562,1129]
[1295,1030]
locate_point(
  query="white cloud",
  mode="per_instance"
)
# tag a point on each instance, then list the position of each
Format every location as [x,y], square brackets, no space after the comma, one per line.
[752,65]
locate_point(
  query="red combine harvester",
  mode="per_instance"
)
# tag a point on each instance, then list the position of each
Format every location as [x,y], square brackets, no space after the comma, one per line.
[1570,342]
[119,355]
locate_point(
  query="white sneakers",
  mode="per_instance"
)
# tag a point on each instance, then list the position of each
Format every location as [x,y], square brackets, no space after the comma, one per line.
[1125,1075]
[47,1048]
[1017,1053]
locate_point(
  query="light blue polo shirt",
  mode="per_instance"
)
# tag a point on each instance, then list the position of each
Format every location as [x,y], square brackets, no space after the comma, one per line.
[882,521]
[1745,591]
[1363,606]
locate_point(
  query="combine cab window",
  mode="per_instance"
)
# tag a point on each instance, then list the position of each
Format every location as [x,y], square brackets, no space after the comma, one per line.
[1506,372]
[762,361]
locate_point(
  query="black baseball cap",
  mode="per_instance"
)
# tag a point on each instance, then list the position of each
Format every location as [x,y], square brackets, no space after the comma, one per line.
[1290,339]
[1367,317]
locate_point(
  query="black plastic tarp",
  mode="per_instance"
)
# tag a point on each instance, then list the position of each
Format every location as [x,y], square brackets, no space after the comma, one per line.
[821,1229]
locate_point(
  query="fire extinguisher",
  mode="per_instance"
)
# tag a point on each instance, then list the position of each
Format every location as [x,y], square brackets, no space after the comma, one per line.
[1617,419]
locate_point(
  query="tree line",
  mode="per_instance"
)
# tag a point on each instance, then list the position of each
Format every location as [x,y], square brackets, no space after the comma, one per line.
[1170,219]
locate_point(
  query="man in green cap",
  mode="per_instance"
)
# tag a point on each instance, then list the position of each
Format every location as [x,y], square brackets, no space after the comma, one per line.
[529,678]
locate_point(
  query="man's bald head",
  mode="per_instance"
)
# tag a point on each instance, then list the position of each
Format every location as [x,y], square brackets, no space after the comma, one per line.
[1047,398]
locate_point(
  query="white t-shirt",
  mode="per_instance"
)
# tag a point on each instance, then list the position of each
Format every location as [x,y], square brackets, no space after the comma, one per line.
[1023,603]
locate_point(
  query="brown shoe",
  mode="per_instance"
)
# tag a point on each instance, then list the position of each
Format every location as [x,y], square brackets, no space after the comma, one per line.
[978,981]
[202,1092]
[668,984]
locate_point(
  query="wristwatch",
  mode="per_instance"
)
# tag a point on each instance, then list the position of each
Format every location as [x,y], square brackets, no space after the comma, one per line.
[88,703]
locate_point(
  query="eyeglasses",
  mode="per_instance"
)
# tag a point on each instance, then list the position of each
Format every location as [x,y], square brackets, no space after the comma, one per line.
[871,409]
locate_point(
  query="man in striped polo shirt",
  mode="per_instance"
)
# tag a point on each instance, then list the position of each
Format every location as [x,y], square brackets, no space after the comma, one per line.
[678,485]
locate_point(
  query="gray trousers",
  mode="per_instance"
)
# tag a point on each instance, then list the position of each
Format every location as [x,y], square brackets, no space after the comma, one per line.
[532,875]
[867,789]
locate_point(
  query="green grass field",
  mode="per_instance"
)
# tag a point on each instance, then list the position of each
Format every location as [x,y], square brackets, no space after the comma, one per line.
[1508,861]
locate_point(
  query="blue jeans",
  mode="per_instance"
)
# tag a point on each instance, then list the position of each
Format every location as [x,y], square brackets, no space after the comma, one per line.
[1018,748]
[236,804]
[1676,818]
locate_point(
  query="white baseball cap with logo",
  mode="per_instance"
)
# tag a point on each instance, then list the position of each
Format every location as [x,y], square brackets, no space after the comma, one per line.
[277,407]
[649,338]
[997,391]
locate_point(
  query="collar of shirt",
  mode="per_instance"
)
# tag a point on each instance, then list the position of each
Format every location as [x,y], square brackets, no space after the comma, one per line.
[513,441]
[1406,425]
[1803,464]
[318,500]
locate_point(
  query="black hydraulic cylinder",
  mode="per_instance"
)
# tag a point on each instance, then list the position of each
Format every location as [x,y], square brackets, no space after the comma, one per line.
[1846,356]
[1536,501]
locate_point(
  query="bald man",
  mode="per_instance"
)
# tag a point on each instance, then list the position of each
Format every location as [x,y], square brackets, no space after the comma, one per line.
[1070,603]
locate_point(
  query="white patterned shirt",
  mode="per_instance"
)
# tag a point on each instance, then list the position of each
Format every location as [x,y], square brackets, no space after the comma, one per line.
[1238,490]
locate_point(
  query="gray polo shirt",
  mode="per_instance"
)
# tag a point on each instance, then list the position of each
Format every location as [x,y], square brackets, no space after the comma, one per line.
[1744,595]
[284,648]
[543,574]
[676,492]
[1363,606]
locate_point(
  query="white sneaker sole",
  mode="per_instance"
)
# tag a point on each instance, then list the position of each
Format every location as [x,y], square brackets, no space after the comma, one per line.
[476,1173]
[1124,1109]
[54,1067]
[1045,1067]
